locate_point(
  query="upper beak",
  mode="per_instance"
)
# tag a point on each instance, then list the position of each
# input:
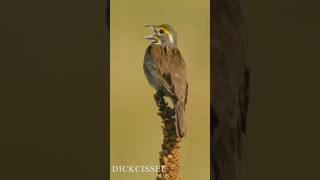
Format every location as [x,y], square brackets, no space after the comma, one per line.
[150,26]
[154,27]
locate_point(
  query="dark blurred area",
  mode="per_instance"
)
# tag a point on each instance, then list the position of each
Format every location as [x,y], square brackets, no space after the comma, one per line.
[283,55]
[53,73]
[230,79]
[282,140]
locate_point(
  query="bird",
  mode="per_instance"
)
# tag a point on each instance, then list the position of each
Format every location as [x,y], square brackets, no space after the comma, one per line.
[165,70]
[230,88]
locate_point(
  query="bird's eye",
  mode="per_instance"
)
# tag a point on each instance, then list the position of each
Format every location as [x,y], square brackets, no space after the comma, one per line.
[161,31]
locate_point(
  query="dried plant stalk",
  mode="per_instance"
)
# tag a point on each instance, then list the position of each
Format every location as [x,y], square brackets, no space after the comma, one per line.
[170,149]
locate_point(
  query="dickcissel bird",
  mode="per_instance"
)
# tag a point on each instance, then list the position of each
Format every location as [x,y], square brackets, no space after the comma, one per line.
[165,70]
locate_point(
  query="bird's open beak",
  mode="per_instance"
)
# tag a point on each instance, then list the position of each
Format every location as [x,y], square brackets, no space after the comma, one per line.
[152,37]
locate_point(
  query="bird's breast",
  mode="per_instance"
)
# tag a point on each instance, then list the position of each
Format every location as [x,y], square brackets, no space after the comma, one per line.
[150,70]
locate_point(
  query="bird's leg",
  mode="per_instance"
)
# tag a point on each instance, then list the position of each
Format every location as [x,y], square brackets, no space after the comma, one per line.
[158,97]
[165,112]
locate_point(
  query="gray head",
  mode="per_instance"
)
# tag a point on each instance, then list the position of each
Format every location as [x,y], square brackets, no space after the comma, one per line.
[164,34]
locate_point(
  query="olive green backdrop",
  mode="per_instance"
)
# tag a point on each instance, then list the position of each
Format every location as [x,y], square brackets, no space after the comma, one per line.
[282,140]
[136,135]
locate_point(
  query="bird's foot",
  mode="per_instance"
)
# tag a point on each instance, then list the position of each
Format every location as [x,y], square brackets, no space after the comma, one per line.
[159,98]
[165,112]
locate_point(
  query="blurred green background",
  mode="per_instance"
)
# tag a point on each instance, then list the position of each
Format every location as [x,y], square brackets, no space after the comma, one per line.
[135,127]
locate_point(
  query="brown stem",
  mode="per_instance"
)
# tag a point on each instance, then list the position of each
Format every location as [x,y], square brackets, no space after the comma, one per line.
[170,149]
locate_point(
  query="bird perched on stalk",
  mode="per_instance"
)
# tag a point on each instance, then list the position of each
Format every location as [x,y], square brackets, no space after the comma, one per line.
[165,70]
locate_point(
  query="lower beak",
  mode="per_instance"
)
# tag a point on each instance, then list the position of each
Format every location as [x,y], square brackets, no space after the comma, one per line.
[149,37]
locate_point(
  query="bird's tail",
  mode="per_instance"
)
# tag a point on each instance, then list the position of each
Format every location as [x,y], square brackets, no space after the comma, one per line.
[180,119]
